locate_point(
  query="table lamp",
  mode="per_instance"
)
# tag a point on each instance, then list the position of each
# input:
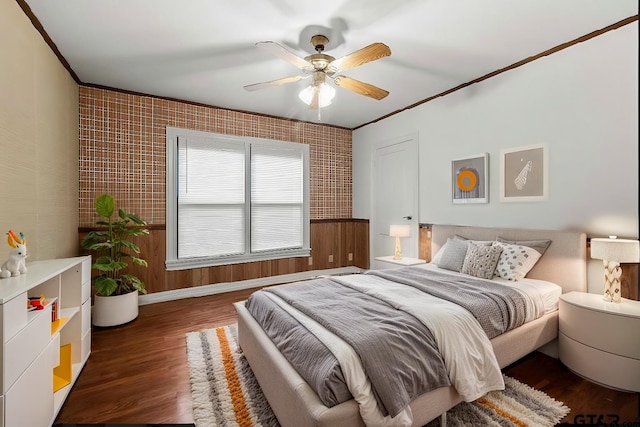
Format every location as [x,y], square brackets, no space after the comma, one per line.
[612,252]
[399,231]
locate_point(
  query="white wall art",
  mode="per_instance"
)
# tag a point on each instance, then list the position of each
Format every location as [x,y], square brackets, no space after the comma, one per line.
[524,174]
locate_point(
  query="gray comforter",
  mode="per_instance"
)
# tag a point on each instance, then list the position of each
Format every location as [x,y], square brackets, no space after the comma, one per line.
[398,352]
[497,308]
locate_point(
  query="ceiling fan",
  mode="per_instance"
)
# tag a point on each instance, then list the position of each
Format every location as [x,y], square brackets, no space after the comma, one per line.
[319,66]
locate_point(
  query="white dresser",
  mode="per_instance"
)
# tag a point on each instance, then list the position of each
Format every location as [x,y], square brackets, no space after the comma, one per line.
[43,350]
[385,262]
[600,340]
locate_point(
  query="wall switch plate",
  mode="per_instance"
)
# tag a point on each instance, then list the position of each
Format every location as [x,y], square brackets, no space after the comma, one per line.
[330,258]
[350,256]
[310,260]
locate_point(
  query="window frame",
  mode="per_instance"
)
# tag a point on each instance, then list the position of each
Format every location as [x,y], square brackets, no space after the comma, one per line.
[172,262]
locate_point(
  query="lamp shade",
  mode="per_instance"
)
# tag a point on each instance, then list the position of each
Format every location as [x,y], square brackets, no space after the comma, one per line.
[620,250]
[399,230]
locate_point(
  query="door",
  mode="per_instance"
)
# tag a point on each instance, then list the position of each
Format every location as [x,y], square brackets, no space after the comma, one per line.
[395,195]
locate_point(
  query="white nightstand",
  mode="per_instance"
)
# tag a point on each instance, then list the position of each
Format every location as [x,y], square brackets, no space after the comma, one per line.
[599,340]
[385,262]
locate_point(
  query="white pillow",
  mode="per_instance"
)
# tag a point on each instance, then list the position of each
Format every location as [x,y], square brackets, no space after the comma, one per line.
[515,261]
[436,258]
[539,245]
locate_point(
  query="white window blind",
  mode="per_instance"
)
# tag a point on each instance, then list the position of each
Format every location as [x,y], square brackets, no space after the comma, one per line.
[232,199]
[211,198]
[277,198]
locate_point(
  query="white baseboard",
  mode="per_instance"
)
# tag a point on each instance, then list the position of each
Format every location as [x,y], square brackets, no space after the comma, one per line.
[219,288]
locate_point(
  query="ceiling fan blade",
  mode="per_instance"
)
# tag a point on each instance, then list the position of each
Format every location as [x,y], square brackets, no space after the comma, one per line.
[286,54]
[359,57]
[284,80]
[360,87]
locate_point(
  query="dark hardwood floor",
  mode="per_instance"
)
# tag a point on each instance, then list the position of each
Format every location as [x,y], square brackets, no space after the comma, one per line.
[589,402]
[137,373]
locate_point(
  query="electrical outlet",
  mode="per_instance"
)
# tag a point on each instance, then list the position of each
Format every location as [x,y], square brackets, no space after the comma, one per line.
[350,256]
[310,260]
[330,258]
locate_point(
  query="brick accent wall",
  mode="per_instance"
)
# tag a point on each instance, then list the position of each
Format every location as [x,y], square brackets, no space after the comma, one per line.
[123,149]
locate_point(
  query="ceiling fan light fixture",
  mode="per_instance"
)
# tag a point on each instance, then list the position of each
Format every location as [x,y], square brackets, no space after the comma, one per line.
[325,94]
[320,66]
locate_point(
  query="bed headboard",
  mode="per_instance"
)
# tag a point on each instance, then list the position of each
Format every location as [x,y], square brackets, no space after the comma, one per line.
[564,262]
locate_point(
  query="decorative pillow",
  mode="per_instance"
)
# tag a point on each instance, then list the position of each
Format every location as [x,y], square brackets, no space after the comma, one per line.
[478,242]
[453,253]
[515,261]
[481,260]
[436,258]
[539,245]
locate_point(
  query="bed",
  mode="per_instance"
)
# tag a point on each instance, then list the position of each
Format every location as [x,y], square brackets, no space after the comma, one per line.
[295,403]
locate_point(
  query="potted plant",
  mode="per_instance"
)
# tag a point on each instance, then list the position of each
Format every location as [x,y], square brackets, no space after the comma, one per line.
[116,298]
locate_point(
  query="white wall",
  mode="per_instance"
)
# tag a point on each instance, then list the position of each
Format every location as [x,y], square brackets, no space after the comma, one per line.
[582,102]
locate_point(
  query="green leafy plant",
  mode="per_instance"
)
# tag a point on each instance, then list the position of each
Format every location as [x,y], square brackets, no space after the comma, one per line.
[113,249]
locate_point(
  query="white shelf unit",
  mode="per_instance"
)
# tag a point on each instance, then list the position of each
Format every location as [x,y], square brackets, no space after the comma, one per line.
[32,344]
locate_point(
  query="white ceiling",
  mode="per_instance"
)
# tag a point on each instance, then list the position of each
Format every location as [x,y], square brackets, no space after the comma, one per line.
[204,51]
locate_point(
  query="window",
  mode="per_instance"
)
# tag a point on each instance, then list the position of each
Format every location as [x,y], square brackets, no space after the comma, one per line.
[234,199]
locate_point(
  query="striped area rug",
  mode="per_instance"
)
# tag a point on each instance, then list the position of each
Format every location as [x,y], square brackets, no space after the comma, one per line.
[516,405]
[225,392]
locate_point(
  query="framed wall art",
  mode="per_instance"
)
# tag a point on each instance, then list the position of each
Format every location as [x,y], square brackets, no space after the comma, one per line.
[524,174]
[469,177]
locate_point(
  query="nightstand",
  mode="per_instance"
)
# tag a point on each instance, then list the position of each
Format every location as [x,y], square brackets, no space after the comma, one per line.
[598,340]
[386,262]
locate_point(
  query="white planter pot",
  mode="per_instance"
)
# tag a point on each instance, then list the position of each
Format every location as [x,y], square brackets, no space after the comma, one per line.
[115,310]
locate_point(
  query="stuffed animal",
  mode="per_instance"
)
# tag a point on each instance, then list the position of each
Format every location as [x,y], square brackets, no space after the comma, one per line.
[16,264]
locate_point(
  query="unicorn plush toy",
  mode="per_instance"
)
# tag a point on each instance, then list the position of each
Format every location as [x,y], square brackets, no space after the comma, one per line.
[16,264]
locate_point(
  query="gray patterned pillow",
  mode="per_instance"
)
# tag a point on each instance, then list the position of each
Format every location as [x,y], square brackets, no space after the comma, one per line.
[481,260]
[453,253]
[515,261]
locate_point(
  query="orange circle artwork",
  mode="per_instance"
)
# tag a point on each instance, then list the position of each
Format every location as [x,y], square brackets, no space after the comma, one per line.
[467,180]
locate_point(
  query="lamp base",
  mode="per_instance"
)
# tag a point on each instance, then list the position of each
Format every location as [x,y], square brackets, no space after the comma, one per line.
[398,254]
[612,273]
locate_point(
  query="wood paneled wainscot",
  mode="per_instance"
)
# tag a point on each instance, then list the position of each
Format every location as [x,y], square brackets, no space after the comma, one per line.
[335,243]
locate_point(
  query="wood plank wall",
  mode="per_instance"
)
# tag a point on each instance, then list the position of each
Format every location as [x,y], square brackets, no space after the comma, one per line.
[424,242]
[629,281]
[335,237]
